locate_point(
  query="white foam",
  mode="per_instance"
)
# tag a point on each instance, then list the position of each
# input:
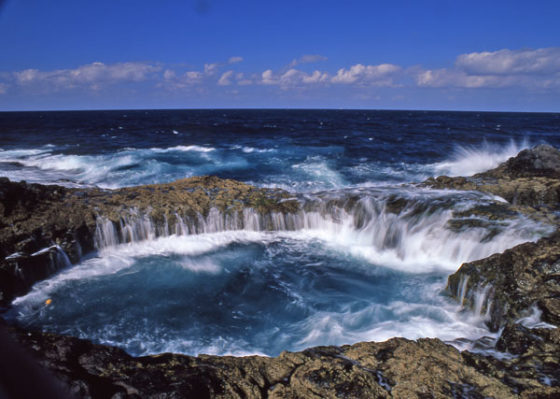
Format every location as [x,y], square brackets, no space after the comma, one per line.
[114,259]
[318,169]
[434,318]
[533,320]
[129,166]
[183,148]
[413,241]
[467,161]
[249,149]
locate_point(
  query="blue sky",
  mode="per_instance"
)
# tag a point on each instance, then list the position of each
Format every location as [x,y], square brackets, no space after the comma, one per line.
[476,55]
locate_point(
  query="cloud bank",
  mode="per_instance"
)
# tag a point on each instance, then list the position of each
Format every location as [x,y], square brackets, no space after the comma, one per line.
[529,69]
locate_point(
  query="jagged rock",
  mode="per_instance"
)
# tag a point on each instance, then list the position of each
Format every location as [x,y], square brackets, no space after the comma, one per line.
[397,368]
[540,161]
[36,217]
[515,280]
[530,180]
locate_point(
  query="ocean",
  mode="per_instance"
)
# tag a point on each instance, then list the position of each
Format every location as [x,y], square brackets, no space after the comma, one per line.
[352,270]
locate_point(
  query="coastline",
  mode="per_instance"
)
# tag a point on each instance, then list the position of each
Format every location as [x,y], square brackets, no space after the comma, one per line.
[45,220]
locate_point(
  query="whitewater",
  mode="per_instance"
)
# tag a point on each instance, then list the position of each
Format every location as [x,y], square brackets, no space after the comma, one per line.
[366,257]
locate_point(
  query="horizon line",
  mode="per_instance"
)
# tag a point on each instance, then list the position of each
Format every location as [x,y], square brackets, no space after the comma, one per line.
[271,109]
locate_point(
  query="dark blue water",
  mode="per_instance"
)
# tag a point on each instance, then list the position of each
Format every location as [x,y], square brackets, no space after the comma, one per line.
[347,275]
[305,150]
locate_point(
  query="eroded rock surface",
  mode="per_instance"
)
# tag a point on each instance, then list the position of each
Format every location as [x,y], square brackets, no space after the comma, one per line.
[513,282]
[35,217]
[531,179]
[397,368]
[521,282]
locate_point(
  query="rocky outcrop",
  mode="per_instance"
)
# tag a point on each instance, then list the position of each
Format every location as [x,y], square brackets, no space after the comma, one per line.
[531,179]
[41,225]
[44,228]
[513,282]
[540,161]
[397,368]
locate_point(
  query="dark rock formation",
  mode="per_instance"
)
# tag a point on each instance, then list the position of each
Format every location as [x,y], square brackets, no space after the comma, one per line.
[531,179]
[41,224]
[35,217]
[526,275]
[540,161]
[397,368]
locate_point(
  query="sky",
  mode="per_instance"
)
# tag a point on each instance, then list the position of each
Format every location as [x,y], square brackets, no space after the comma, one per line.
[489,55]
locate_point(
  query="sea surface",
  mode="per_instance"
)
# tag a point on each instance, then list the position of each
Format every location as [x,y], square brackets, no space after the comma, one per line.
[345,269]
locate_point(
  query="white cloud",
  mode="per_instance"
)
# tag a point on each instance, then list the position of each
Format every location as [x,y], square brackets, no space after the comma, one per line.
[293,78]
[168,74]
[454,78]
[307,59]
[27,76]
[315,77]
[268,78]
[225,79]
[511,62]
[374,75]
[192,77]
[210,69]
[527,68]
[242,80]
[92,75]
[235,60]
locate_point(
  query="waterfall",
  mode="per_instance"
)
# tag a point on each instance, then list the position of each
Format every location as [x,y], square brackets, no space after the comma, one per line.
[418,230]
[482,301]
[463,289]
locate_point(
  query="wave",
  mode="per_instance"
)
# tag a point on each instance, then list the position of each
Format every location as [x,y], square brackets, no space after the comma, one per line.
[470,160]
[248,149]
[184,148]
[130,166]
[319,173]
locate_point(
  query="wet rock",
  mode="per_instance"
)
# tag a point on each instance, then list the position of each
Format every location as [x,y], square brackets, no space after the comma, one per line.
[540,161]
[530,180]
[20,271]
[397,368]
[34,217]
[514,281]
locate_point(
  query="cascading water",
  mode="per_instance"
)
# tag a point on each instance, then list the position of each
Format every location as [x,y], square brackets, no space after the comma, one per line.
[417,231]
[350,265]
[363,259]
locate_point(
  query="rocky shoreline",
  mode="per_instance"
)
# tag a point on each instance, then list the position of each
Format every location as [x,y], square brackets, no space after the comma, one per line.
[44,228]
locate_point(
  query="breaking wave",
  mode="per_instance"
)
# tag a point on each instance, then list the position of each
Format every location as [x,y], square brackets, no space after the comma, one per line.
[470,160]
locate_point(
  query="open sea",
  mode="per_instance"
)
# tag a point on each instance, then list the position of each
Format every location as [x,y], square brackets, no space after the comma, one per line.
[347,270]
